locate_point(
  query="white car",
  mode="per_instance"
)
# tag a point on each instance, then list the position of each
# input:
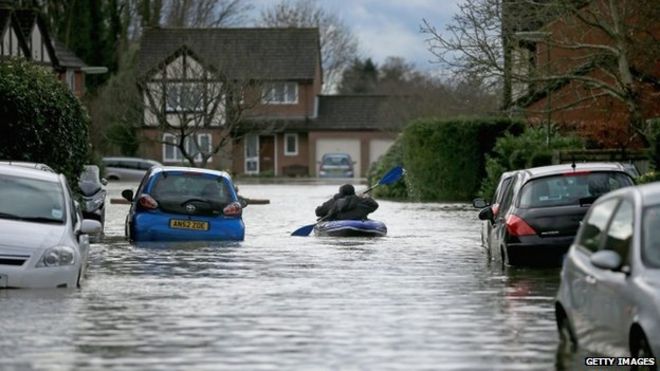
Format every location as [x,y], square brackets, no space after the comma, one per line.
[43,238]
[609,298]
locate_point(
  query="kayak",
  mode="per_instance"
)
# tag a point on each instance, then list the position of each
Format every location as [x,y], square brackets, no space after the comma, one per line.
[350,228]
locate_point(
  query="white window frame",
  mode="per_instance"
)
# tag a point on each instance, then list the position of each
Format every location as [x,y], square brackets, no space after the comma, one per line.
[254,159]
[269,96]
[178,156]
[286,144]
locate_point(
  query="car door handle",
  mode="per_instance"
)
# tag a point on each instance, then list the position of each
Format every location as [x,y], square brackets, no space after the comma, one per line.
[591,280]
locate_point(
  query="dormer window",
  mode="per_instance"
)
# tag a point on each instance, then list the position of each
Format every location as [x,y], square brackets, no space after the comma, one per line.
[280,93]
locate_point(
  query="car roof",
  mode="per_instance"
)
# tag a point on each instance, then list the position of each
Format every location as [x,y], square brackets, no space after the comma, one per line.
[537,172]
[27,172]
[650,193]
[27,164]
[130,159]
[160,169]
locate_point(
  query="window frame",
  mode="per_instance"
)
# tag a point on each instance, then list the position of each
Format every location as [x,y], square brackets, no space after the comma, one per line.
[603,243]
[180,108]
[579,238]
[286,144]
[269,96]
[178,156]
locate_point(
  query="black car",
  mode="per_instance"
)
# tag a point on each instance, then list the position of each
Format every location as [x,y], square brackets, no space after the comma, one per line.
[540,212]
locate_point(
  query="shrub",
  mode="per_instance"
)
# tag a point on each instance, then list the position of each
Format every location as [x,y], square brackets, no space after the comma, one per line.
[529,149]
[393,157]
[41,120]
[445,159]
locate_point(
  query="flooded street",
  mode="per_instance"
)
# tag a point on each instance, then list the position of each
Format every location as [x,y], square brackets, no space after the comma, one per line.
[424,297]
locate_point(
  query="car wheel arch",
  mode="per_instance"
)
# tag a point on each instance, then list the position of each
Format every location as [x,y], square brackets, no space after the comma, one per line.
[635,337]
[564,326]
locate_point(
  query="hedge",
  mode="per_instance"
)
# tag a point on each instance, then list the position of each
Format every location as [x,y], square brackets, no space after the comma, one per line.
[445,159]
[393,157]
[41,121]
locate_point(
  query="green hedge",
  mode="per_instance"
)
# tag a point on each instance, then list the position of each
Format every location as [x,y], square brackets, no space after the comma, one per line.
[41,120]
[445,159]
[393,157]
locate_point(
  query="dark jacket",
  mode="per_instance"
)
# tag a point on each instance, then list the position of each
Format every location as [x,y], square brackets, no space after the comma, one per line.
[351,207]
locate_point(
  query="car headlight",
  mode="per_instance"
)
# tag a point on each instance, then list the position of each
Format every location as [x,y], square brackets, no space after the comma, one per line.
[93,204]
[57,256]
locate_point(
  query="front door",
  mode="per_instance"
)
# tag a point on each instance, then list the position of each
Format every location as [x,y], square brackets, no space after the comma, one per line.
[266,154]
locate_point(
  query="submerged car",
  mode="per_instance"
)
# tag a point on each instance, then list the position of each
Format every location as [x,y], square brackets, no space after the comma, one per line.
[336,165]
[93,193]
[44,237]
[502,188]
[127,168]
[541,211]
[184,204]
[31,165]
[609,297]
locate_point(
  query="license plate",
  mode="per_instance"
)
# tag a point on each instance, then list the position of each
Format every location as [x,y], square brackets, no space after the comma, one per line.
[3,281]
[189,224]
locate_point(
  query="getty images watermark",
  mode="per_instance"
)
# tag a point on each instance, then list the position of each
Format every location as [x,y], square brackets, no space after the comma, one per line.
[620,361]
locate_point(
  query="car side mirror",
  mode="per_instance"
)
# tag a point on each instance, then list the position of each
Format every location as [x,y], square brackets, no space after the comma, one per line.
[90,226]
[486,214]
[606,259]
[104,181]
[127,194]
[479,203]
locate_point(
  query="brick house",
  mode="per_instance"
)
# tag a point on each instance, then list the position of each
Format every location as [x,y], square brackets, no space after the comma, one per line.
[567,45]
[24,34]
[286,126]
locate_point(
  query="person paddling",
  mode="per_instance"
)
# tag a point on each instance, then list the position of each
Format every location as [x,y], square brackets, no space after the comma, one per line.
[346,205]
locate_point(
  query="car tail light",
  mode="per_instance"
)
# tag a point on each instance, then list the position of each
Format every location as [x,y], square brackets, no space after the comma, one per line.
[517,226]
[147,202]
[233,209]
[495,208]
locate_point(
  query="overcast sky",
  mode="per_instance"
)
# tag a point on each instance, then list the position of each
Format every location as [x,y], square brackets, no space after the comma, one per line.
[389,27]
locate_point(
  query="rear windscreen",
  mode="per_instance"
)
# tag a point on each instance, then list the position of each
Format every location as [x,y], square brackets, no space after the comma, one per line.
[571,189]
[183,187]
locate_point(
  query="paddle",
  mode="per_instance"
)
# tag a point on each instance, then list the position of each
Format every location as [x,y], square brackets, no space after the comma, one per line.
[392,176]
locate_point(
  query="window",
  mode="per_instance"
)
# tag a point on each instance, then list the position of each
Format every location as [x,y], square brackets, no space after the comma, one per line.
[651,236]
[171,152]
[71,79]
[291,144]
[569,189]
[280,93]
[251,154]
[595,223]
[620,232]
[184,97]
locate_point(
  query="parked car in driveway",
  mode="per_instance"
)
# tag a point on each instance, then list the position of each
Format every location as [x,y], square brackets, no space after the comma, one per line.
[336,165]
[92,189]
[540,212]
[184,204]
[127,168]
[609,297]
[44,239]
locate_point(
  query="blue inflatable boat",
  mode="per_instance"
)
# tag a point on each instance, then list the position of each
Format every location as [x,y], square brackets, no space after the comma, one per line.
[350,228]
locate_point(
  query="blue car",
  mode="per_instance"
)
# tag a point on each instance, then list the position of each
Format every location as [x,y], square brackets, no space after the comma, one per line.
[184,204]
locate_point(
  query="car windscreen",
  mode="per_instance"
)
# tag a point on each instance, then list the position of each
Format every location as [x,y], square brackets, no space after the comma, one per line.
[31,200]
[336,161]
[183,187]
[572,188]
[651,236]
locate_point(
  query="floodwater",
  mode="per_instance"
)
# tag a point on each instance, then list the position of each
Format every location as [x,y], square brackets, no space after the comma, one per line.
[423,298]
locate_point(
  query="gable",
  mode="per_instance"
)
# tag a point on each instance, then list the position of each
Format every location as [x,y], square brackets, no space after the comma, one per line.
[11,46]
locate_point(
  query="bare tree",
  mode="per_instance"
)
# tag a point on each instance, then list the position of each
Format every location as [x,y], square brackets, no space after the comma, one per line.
[186,101]
[602,48]
[205,13]
[338,44]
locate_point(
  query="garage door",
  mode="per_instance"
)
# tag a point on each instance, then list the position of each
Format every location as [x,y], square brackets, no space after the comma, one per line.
[377,148]
[350,146]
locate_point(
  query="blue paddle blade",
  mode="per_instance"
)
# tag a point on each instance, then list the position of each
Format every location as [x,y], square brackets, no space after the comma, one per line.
[392,176]
[303,231]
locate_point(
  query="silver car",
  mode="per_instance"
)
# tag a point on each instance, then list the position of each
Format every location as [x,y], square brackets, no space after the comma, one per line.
[609,297]
[44,240]
[127,168]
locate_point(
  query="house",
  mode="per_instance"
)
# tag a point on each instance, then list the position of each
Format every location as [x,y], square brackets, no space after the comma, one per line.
[581,77]
[193,81]
[24,34]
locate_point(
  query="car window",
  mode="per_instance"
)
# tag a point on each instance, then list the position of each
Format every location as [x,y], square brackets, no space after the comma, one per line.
[184,187]
[501,188]
[571,189]
[144,165]
[336,160]
[594,225]
[507,199]
[40,201]
[651,236]
[620,231]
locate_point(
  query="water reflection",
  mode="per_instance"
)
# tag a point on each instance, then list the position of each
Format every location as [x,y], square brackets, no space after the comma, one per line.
[424,297]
